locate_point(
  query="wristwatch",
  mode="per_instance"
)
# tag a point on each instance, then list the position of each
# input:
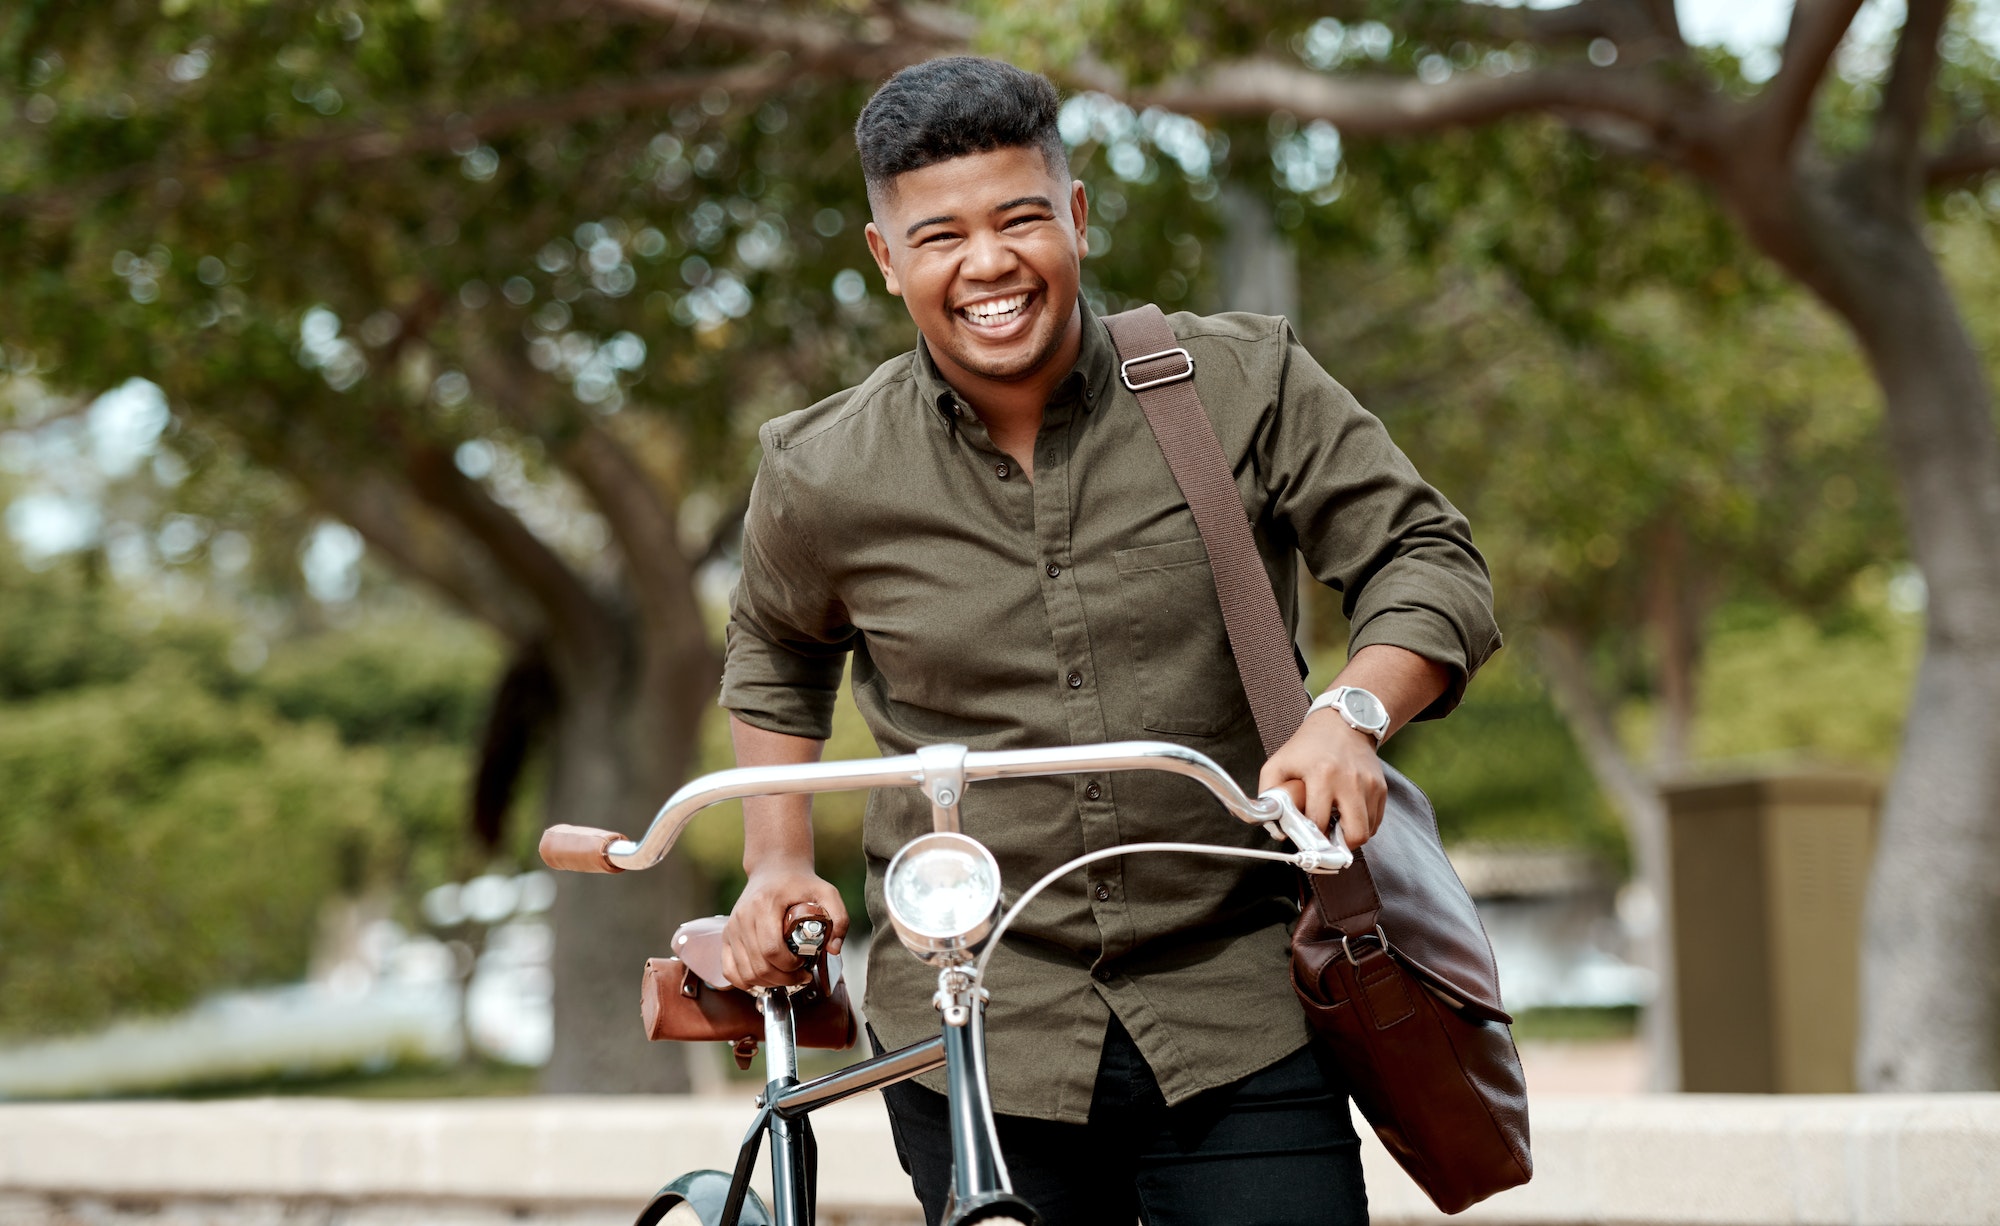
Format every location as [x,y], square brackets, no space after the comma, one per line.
[1363,711]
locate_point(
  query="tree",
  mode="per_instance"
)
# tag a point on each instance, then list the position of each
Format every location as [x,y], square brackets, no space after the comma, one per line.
[1828,185]
[430,321]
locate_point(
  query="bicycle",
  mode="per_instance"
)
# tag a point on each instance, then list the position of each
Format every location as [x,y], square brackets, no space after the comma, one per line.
[944,896]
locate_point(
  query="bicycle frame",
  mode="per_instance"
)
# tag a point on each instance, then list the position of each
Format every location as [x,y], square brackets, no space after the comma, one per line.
[980,1184]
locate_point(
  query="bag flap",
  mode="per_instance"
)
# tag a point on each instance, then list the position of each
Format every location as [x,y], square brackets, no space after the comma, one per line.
[1430,921]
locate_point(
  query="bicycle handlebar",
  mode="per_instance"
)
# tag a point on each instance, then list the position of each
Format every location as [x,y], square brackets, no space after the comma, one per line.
[587,849]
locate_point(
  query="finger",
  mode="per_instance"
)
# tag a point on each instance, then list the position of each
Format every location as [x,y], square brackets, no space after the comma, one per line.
[732,964]
[1322,799]
[779,964]
[1355,823]
[1272,773]
[836,910]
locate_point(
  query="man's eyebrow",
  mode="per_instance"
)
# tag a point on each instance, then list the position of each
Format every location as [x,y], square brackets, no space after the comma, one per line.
[998,208]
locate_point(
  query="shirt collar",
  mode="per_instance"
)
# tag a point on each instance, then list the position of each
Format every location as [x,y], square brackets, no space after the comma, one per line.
[1096,363]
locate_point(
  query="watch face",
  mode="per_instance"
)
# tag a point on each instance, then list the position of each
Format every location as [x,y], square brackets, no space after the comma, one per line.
[1365,708]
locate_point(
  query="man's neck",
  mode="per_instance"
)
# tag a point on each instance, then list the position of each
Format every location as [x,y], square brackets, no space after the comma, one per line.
[1012,409]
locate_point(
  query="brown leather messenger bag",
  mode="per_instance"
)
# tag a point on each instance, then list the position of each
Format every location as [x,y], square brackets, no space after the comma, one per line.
[1388,956]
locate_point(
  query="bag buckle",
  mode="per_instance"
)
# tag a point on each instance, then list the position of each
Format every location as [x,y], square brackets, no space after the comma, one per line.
[1125,369]
[1381,939]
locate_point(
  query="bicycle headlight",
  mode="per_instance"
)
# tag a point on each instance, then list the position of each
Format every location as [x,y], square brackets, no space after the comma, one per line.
[943,891]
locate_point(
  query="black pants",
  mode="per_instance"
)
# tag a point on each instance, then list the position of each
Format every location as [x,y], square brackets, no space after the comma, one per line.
[1274,1149]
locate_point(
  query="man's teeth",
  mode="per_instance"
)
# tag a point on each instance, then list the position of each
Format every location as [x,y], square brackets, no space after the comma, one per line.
[997,310]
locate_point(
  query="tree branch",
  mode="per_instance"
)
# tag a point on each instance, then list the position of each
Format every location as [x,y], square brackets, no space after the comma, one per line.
[892,36]
[769,29]
[426,134]
[411,536]
[1961,161]
[578,622]
[644,525]
[648,535]
[1897,140]
[1816,30]
[1383,106]
[1631,24]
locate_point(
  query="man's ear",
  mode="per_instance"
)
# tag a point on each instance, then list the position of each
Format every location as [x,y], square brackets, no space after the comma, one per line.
[1079,215]
[879,248]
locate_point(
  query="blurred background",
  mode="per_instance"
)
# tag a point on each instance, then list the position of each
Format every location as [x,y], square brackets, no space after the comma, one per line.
[379,385]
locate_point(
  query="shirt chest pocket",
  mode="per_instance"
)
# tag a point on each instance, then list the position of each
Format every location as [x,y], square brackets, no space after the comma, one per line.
[1188,683]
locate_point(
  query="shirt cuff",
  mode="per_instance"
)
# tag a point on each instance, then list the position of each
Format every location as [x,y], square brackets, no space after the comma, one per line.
[1437,637]
[777,690]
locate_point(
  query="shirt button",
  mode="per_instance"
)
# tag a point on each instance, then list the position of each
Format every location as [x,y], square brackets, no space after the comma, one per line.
[1093,791]
[1055,572]
[1103,893]
[1100,973]
[1076,681]
[1003,471]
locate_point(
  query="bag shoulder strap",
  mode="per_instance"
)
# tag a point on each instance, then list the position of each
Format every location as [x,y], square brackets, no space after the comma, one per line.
[1161,374]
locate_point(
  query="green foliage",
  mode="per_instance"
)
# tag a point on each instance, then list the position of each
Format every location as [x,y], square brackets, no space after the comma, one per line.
[336,311]
[173,827]
[158,841]
[1504,769]
[1778,685]
[57,633]
[386,682]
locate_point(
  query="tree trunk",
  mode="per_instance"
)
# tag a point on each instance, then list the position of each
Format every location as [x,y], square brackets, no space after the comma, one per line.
[1637,801]
[1674,610]
[1930,1002]
[622,741]
[1260,270]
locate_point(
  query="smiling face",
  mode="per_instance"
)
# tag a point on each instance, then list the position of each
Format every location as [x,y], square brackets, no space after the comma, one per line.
[986,250]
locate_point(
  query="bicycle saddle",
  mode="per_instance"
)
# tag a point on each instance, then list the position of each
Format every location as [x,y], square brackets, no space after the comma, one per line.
[699,944]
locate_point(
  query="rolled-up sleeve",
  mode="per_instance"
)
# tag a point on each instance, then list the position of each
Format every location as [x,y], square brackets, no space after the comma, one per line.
[788,635]
[1371,528]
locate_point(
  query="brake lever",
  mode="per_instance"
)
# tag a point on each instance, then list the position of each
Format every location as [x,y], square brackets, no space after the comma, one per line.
[1318,853]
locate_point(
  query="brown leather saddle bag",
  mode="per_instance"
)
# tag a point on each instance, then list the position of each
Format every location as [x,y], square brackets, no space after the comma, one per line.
[688,997]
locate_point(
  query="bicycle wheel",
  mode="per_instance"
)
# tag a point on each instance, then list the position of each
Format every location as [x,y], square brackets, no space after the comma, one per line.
[696,1199]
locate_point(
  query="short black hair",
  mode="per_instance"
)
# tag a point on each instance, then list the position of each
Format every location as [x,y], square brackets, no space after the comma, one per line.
[954,106]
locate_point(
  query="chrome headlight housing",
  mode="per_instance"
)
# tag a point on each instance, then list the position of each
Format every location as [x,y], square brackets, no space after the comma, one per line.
[943,891]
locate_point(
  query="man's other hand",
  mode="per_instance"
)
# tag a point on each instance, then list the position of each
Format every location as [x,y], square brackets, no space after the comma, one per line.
[1330,768]
[754,953]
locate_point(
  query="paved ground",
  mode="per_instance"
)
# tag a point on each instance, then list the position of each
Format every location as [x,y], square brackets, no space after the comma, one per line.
[18,1210]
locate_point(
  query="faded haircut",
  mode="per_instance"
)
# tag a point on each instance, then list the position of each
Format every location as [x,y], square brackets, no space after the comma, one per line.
[951,107]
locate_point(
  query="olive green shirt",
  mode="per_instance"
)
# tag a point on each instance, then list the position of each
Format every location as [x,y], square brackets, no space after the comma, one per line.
[983,608]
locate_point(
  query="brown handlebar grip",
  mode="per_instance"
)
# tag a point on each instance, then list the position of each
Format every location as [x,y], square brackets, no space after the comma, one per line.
[807,942]
[579,849]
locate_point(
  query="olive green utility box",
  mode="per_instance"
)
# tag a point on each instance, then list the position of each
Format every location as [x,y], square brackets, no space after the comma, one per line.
[1769,877]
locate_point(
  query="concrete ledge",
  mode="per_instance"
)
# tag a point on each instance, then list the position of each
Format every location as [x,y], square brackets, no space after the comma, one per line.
[1713,1160]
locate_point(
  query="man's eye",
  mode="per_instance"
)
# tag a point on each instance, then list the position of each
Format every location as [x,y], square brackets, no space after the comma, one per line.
[1022,220]
[939,236]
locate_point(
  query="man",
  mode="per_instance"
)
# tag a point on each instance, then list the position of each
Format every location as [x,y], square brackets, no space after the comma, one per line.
[987,528]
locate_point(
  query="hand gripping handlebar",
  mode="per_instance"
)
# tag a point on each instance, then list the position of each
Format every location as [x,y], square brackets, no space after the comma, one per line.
[589,850]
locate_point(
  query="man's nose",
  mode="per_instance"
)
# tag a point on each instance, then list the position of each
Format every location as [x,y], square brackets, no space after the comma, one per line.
[988,257]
